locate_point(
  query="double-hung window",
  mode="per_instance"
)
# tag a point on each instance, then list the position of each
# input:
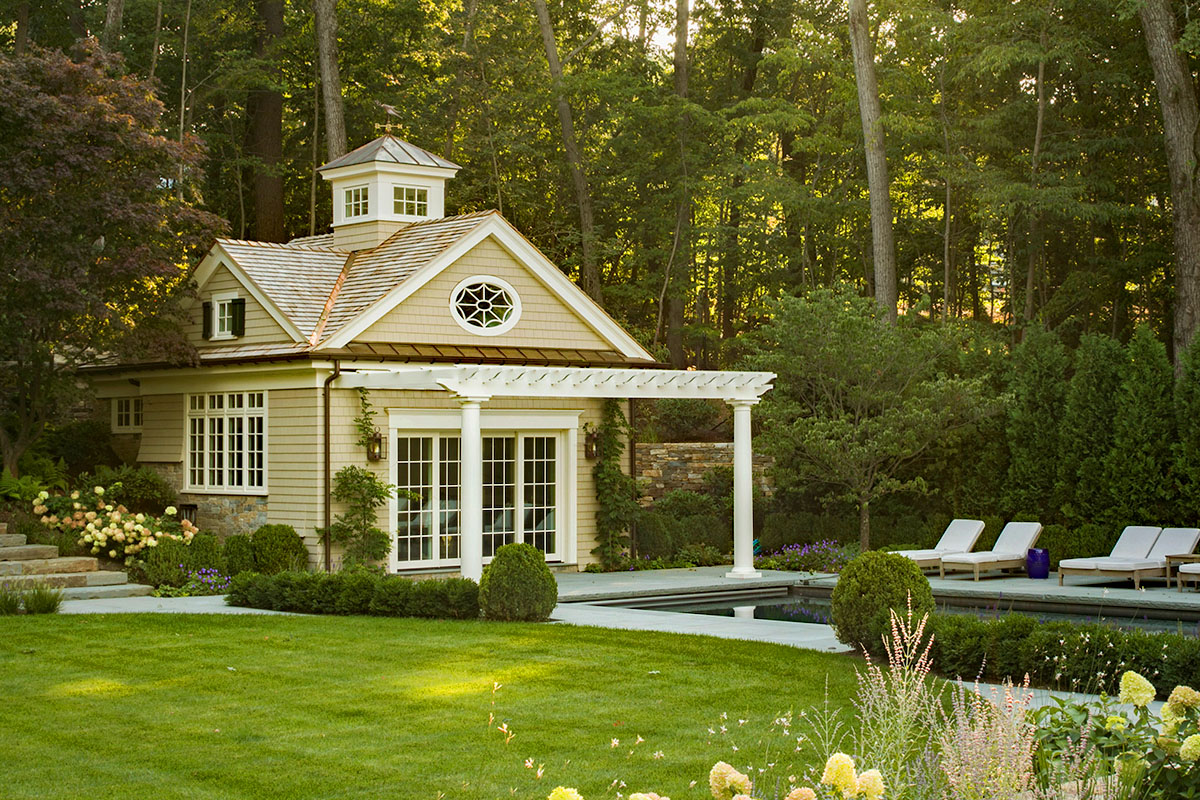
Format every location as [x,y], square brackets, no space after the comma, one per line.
[357,204]
[226,442]
[224,317]
[127,415]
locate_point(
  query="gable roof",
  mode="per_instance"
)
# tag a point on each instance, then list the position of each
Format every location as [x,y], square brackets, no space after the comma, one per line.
[390,150]
[324,296]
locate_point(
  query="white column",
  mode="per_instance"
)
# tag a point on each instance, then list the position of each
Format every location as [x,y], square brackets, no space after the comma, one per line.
[743,493]
[470,511]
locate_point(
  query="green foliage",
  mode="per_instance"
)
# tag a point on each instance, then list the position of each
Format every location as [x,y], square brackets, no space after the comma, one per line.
[1079,541]
[172,562]
[869,588]
[40,599]
[616,503]
[356,591]
[700,555]
[1136,468]
[364,422]
[10,600]
[681,518]
[278,548]
[1086,429]
[1187,444]
[46,470]
[685,419]
[857,399]
[83,445]
[139,489]
[22,489]
[1038,386]
[238,553]
[518,586]
[357,529]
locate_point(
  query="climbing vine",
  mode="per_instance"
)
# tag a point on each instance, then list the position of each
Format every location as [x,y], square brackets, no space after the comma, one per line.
[364,423]
[617,506]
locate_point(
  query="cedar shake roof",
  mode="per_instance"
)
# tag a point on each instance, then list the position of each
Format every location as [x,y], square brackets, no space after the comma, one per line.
[389,149]
[298,280]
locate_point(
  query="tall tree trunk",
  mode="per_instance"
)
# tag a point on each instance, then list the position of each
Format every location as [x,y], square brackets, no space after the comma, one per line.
[325,22]
[883,245]
[316,162]
[1035,217]
[21,36]
[114,14]
[266,131]
[864,524]
[1181,128]
[589,273]
[947,255]
[680,247]
[183,93]
[154,46]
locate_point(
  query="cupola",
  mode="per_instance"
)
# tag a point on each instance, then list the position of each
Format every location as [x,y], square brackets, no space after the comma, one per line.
[383,186]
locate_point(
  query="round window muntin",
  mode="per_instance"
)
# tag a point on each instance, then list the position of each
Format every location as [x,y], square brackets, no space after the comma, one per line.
[467,322]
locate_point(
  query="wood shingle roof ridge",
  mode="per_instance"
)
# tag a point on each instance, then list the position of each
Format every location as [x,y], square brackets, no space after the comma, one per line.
[329,303]
[285,246]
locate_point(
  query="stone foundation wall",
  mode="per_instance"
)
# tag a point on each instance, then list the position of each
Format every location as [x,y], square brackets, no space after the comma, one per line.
[666,466]
[222,514]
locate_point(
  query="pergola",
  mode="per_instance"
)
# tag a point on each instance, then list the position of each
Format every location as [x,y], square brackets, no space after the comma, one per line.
[474,385]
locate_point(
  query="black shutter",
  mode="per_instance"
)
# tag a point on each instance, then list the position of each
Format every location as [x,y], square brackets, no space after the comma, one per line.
[238,308]
[206,320]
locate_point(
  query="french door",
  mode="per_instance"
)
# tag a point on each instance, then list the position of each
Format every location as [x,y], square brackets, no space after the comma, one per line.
[522,480]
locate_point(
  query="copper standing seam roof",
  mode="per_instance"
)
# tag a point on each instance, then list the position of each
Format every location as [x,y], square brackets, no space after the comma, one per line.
[389,149]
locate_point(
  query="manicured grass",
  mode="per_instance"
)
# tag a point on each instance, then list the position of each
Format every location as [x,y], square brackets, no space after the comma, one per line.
[165,706]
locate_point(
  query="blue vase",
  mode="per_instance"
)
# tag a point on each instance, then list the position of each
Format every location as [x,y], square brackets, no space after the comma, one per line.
[1037,563]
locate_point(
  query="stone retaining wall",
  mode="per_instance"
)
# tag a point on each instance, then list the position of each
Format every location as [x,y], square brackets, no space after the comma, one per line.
[665,466]
[222,514]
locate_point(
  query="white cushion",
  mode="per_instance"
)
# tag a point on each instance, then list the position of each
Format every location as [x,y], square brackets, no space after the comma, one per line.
[1081,563]
[1190,569]
[1175,542]
[1017,537]
[921,555]
[1136,541]
[960,536]
[1128,564]
[981,558]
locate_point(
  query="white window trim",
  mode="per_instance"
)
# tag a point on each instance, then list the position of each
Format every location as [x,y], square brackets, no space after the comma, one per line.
[249,491]
[217,300]
[405,214]
[564,425]
[506,326]
[136,409]
[346,202]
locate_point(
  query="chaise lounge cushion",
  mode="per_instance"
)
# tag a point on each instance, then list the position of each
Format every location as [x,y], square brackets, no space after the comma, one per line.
[1172,541]
[1013,544]
[959,537]
[1135,542]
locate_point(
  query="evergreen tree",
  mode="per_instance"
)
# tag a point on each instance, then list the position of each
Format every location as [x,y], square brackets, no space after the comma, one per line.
[1187,448]
[1085,436]
[1138,463]
[1039,369]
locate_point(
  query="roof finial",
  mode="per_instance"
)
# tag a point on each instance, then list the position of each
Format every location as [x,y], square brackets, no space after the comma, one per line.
[388,126]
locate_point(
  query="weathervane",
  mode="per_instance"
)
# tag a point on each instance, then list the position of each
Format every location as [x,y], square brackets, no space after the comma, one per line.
[388,126]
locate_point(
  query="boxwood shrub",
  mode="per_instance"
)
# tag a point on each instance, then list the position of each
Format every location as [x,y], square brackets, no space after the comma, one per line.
[278,548]
[238,553]
[358,591]
[868,589]
[518,586]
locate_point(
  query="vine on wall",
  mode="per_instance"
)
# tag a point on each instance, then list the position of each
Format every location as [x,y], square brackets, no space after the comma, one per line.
[617,506]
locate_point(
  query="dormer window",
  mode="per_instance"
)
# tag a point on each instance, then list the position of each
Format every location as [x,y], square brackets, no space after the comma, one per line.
[410,201]
[356,202]
[224,317]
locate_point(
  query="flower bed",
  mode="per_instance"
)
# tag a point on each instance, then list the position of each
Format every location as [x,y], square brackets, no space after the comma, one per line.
[110,530]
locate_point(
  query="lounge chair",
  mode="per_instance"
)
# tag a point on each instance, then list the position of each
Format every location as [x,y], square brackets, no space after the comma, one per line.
[1170,542]
[1134,544]
[1010,551]
[959,537]
[1189,572]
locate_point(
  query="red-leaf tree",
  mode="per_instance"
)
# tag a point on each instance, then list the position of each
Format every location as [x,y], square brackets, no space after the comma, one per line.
[95,236]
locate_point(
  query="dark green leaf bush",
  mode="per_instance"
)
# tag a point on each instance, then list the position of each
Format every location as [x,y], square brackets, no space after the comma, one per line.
[428,599]
[391,598]
[356,591]
[171,561]
[518,586]
[278,548]
[868,589]
[239,554]
[139,489]
[462,598]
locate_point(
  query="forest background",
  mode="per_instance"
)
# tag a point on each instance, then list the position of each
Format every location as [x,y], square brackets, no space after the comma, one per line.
[690,163]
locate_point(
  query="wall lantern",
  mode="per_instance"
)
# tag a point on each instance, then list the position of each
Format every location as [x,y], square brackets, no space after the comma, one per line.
[376,447]
[590,440]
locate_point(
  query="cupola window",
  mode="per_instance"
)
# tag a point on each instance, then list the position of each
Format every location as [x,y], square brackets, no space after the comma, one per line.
[357,204]
[410,201]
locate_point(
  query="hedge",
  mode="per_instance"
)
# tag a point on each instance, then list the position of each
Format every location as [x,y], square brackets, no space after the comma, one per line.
[356,592]
[1087,657]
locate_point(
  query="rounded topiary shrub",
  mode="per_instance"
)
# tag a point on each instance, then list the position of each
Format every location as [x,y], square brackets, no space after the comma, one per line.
[239,554]
[518,586]
[868,588]
[278,548]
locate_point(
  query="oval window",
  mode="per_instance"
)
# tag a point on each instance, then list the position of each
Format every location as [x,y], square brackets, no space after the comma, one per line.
[485,305]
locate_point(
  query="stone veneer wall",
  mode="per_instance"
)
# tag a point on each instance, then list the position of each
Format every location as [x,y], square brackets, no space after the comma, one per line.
[665,466]
[222,514]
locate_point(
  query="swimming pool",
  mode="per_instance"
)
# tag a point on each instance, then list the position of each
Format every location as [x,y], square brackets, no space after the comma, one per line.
[818,610]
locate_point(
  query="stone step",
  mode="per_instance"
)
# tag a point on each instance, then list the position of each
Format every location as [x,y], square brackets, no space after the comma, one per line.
[46,566]
[12,539]
[65,580]
[24,552]
[105,592]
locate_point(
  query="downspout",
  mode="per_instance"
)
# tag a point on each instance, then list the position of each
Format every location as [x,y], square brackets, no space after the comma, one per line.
[337,370]
[633,477]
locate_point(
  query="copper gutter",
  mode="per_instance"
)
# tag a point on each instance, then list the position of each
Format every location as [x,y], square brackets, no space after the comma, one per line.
[337,370]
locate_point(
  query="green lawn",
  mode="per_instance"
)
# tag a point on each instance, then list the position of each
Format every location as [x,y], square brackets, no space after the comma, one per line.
[165,706]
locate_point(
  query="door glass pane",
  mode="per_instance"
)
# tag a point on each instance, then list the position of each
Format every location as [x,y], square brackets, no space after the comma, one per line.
[449,485]
[539,498]
[499,492]
[414,517]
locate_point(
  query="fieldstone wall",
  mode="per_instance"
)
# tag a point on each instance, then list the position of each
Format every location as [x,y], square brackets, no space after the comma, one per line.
[666,466]
[222,514]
